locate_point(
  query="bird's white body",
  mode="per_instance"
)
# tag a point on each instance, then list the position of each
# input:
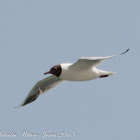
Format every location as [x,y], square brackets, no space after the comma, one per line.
[85,74]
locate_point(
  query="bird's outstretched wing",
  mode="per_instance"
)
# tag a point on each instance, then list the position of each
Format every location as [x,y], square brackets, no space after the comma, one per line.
[87,62]
[41,87]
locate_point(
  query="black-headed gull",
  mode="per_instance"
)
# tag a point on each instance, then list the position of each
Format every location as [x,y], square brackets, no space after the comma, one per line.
[83,70]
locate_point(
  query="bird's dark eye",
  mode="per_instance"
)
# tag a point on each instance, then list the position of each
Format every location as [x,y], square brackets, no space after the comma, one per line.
[55,68]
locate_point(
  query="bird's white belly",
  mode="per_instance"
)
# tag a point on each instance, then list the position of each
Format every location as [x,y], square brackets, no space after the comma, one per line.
[78,75]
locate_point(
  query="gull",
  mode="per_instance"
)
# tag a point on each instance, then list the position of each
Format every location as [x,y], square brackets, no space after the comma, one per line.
[83,70]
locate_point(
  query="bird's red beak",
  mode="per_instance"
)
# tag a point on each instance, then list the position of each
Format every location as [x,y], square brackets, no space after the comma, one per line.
[46,72]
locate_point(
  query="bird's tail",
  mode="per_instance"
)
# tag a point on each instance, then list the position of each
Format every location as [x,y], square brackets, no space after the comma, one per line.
[111,73]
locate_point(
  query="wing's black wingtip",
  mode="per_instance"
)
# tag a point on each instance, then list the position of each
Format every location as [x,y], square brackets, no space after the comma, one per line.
[31,99]
[125,51]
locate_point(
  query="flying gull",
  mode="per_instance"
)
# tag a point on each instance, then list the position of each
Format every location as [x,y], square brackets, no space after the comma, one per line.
[83,70]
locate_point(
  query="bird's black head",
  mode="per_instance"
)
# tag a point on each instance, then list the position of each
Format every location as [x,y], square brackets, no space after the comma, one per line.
[55,70]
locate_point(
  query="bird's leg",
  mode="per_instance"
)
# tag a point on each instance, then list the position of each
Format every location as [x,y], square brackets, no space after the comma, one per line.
[103,76]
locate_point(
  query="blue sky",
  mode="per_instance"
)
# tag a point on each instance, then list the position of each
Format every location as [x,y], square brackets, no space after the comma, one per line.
[36,35]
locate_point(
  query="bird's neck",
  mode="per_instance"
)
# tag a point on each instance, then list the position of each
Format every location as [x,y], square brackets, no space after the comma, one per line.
[65,65]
